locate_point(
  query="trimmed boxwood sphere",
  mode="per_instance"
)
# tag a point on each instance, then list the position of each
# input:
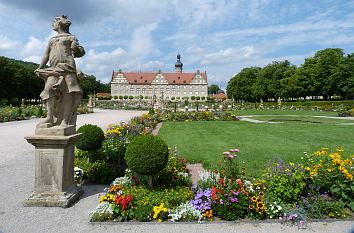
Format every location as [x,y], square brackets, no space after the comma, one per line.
[147,155]
[91,138]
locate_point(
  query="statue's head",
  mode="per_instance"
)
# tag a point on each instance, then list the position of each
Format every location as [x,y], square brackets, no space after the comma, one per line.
[62,22]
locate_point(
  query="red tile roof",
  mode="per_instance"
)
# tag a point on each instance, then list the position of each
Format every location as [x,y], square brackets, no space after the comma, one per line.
[147,78]
[220,96]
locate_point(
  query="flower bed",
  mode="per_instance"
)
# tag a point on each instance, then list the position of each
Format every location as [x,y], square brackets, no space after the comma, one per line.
[10,113]
[99,166]
[321,187]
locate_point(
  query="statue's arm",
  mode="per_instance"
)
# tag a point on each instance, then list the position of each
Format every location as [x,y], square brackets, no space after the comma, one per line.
[78,50]
[45,58]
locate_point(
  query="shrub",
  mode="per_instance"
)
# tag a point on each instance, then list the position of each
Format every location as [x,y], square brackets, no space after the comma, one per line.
[285,182]
[91,138]
[147,155]
[115,97]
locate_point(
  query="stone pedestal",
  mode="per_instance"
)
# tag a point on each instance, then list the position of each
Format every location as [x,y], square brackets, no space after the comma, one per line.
[54,167]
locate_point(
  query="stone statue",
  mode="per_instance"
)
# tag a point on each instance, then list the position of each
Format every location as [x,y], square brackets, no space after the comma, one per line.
[62,93]
[279,101]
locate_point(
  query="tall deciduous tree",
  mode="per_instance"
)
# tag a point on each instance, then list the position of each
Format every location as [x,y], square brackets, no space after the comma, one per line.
[213,89]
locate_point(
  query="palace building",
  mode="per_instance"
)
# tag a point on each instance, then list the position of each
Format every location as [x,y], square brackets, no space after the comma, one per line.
[165,85]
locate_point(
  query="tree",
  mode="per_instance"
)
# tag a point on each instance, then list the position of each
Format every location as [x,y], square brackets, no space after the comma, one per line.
[17,80]
[90,85]
[323,71]
[213,89]
[241,86]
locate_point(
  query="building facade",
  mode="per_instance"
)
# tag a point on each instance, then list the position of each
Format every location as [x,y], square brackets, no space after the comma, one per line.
[160,85]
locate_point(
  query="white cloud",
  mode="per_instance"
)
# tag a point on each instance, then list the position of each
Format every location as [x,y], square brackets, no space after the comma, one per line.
[8,44]
[229,55]
[142,44]
[33,47]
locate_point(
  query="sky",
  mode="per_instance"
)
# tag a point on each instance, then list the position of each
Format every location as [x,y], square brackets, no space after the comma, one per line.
[217,36]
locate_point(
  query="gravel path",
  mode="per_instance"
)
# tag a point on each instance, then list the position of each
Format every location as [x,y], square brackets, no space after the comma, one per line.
[16,184]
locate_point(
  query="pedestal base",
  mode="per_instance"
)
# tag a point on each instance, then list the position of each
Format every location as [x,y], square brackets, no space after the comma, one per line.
[54,167]
[60,199]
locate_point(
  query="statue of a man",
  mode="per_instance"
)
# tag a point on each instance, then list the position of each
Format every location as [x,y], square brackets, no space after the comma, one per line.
[62,93]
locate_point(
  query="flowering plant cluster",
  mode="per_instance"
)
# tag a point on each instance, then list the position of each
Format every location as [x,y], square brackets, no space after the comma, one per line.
[330,172]
[198,116]
[186,212]
[101,165]
[160,213]
[288,191]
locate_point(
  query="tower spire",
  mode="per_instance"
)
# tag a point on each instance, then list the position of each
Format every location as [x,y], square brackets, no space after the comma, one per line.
[179,64]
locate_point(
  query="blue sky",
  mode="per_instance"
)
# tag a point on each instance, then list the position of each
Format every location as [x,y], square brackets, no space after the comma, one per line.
[217,36]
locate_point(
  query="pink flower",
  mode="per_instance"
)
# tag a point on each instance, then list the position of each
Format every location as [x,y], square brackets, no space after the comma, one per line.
[226,153]
[234,150]
[230,156]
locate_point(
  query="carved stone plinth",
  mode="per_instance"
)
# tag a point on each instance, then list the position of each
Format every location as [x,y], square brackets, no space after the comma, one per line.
[54,167]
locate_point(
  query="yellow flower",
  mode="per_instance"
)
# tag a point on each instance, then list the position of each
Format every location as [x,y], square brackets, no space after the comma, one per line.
[330,169]
[336,161]
[349,176]
[254,199]
[348,161]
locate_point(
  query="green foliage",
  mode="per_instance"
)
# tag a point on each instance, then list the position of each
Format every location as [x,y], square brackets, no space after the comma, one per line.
[171,197]
[95,171]
[147,155]
[15,79]
[198,116]
[331,172]
[213,89]
[91,138]
[19,113]
[90,86]
[328,73]
[285,182]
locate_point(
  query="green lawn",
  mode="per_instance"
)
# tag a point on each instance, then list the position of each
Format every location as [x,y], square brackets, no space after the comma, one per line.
[205,141]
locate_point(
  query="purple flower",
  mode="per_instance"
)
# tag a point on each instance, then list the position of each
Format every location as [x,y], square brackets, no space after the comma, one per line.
[231,156]
[221,202]
[202,200]
[233,199]
[234,193]
[226,153]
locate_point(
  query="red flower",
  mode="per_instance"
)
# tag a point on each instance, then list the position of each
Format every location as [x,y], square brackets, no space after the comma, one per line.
[221,181]
[242,189]
[213,193]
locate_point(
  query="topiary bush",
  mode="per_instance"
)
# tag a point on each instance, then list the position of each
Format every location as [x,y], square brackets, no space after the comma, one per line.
[91,138]
[147,155]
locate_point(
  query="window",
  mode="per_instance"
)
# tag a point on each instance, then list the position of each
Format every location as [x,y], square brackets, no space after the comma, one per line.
[196,93]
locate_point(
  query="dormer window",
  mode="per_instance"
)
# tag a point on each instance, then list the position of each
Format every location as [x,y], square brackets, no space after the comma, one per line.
[146,81]
[174,81]
[179,77]
[135,80]
[184,81]
[141,77]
